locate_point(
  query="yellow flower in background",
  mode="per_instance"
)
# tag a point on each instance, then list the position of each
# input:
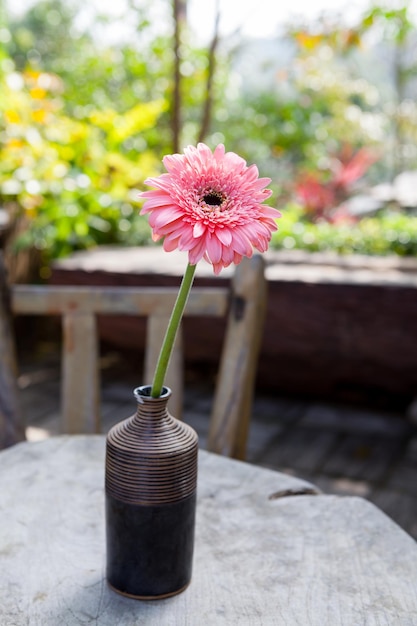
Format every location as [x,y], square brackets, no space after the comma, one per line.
[37,93]
[39,116]
[12,117]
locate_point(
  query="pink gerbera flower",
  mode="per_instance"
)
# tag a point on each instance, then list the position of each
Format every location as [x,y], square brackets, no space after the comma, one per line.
[210,205]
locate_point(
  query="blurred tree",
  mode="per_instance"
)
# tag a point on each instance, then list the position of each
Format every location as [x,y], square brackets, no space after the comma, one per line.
[180,17]
[381,49]
[84,124]
[398,36]
[301,122]
[153,66]
[44,36]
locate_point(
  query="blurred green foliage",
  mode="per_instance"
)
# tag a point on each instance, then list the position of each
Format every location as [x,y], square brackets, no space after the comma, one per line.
[82,124]
[390,232]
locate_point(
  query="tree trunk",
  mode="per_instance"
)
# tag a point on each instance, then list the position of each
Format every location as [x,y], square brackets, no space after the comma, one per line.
[180,12]
[208,104]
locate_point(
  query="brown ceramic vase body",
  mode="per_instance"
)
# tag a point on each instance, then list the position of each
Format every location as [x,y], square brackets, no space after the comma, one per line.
[151,479]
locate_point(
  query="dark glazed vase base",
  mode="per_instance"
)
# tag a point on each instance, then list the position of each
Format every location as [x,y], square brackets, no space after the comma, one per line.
[150,548]
[148,598]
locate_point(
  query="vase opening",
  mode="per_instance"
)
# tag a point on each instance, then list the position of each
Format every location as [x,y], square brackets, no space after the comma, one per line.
[145,392]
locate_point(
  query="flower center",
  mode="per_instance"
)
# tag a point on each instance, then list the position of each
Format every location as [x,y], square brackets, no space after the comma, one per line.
[211,200]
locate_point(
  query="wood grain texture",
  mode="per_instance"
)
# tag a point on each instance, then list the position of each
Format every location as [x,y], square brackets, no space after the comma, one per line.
[42,300]
[232,404]
[80,374]
[299,560]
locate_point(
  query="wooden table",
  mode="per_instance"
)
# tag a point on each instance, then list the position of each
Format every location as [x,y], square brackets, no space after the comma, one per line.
[259,559]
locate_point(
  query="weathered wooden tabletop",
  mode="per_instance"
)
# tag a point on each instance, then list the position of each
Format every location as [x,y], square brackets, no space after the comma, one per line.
[294,560]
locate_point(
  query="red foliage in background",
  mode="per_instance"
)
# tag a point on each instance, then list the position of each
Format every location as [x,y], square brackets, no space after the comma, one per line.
[323,200]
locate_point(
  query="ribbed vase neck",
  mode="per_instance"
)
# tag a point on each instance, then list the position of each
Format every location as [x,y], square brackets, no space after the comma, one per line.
[151,456]
[150,410]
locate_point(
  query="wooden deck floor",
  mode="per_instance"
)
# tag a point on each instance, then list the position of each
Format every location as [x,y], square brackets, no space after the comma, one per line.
[342,450]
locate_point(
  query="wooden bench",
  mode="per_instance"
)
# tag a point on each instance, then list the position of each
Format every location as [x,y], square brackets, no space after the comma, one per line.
[244,305]
[352,316]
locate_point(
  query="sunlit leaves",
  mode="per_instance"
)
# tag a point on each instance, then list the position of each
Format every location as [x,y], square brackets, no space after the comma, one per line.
[71,177]
[120,127]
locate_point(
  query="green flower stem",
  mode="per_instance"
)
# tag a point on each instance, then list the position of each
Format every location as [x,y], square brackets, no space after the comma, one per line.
[171,332]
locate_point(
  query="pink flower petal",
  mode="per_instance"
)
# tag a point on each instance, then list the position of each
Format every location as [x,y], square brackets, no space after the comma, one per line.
[163,218]
[170,243]
[196,254]
[225,236]
[199,229]
[214,249]
[241,243]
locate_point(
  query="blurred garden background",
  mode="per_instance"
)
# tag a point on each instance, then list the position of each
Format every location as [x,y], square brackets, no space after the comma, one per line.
[92,98]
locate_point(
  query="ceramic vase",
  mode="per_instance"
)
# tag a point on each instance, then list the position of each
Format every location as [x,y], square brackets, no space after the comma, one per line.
[150,487]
